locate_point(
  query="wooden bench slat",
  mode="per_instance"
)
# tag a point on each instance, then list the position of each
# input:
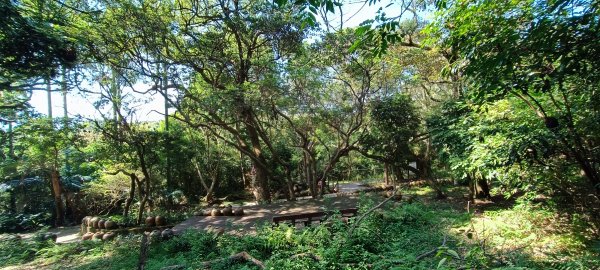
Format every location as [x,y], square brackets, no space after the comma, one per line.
[308,218]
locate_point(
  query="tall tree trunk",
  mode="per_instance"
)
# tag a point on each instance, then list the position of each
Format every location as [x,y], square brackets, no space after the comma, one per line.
[482,189]
[424,168]
[115,93]
[397,170]
[57,192]
[261,184]
[472,188]
[65,116]
[131,195]
[290,184]
[243,170]
[386,173]
[49,92]
[214,178]
[309,173]
[11,138]
[141,153]
[163,80]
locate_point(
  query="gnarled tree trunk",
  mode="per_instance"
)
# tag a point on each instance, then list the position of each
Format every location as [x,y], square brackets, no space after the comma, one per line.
[57,192]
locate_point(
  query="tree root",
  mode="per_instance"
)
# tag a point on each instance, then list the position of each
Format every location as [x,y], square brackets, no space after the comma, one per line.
[238,257]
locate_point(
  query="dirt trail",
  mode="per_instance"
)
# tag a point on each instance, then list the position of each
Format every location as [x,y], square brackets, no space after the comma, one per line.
[256,215]
[65,234]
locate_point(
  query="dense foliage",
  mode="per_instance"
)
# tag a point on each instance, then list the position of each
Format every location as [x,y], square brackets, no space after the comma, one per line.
[270,100]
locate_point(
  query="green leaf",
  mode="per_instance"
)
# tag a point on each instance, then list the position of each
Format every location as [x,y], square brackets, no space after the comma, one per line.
[442,261]
[355,46]
[361,30]
[453,253]
[329,6]
[280,2]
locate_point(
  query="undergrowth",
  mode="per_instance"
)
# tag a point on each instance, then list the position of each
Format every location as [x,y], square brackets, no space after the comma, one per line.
[399,236]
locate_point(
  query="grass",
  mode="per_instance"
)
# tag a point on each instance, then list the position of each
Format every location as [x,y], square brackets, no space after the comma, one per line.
[523,236]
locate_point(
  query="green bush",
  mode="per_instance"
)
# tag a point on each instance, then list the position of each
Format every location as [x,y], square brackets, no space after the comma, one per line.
[10,222]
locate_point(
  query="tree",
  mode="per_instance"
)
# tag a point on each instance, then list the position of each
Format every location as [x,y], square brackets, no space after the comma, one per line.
[541,52]
[33,44]
[326,104]
[395,123]
[228,79]
[43,143]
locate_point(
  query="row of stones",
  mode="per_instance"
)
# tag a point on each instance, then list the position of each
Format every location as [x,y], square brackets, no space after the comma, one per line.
[226,211]
[98,223]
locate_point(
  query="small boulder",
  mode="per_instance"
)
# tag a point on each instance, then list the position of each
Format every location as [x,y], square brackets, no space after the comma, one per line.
[98,236]
[150,221]
[227,211]
[93,222]
[109,236]
[216,212]
[110,225]
[85,220]
[160,221]
[238,211]
[101,223]
[87,236]
[167,234]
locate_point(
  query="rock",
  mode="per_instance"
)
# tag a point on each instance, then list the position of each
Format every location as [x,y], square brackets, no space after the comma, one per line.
[110,225]
[91,229]
[160,221]
[97,236]
[167,234]
[93,222]
[206,212]
[101,223]
[216,212]
[109,236]
[150,221]
[227,211]
[86,220]
[238,211]
[87,236]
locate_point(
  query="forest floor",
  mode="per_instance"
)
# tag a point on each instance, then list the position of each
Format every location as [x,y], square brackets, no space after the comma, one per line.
[417,233]
[68,234]
[257,215]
